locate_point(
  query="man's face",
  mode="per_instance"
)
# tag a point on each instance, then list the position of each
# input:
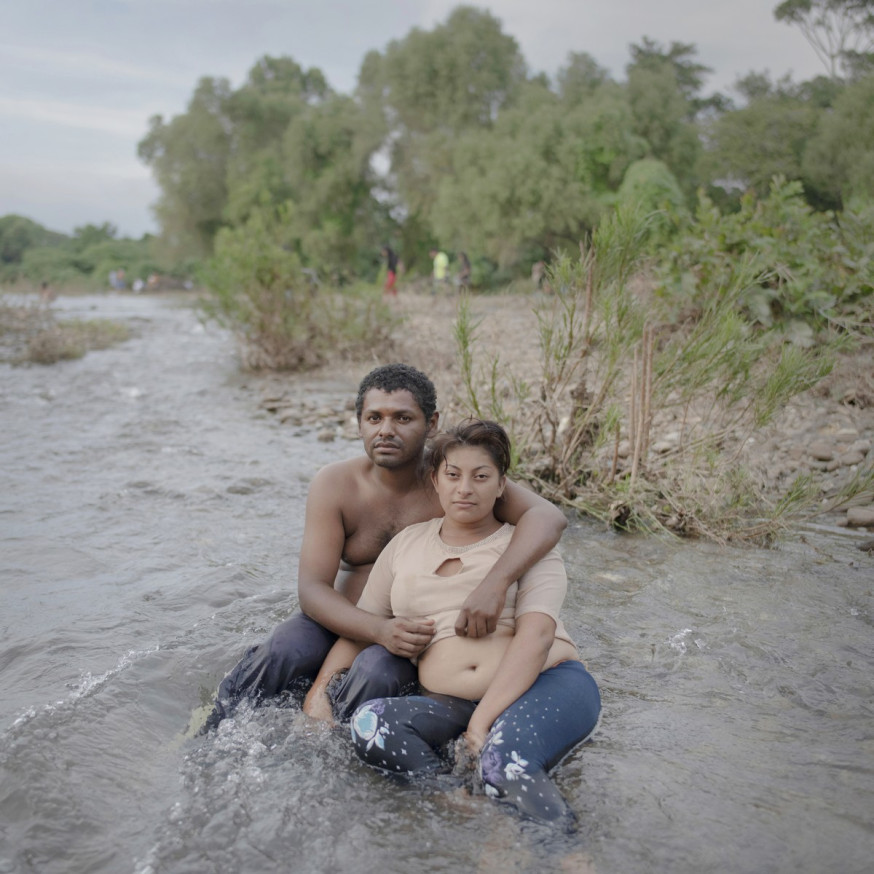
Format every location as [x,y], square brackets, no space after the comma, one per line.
[393,428]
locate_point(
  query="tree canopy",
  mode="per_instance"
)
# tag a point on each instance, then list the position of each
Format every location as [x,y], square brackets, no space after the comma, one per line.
[841,32]
[450,139]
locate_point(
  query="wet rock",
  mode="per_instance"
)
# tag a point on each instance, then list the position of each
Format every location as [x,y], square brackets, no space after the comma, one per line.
[821,451]
[272,404]
[860,517]
[666,444]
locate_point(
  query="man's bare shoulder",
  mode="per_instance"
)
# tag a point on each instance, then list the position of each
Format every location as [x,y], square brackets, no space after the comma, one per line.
[347,474]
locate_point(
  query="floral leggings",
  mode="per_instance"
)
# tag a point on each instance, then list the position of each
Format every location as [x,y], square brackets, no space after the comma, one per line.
[412,734]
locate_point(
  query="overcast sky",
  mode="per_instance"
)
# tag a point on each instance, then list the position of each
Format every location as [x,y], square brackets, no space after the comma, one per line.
[79,79]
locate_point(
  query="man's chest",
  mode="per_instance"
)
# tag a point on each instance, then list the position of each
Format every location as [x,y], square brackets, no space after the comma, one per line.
[371,530]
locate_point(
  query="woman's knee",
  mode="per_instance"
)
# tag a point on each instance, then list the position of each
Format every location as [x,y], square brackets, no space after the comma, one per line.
[390,670]
[375,673]
[369,732]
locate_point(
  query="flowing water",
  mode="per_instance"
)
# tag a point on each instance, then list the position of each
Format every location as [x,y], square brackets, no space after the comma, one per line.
[150,516]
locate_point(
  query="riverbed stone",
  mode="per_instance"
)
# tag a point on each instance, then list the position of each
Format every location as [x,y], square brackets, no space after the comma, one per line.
[821,451]
[861,517]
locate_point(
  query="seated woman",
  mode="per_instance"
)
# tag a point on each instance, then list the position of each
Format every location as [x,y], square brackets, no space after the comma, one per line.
[519,698]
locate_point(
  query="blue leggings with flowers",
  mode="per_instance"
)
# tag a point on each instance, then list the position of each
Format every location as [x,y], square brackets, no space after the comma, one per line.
[413,735]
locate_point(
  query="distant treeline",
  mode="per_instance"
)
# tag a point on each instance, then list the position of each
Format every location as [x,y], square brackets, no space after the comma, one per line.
[449,140]
[92,257]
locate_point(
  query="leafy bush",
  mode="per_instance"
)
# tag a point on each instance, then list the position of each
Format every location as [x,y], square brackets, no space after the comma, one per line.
[650,186]
[283,316]
[805,267]
[636,417]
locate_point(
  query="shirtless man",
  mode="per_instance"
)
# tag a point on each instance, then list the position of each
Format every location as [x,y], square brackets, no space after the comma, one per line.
[353,509]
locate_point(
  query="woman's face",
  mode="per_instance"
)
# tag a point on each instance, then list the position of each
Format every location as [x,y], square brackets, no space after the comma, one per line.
[468,484]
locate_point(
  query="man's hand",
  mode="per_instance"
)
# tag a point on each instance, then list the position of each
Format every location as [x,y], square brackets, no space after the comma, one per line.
[480,612]
[406,637]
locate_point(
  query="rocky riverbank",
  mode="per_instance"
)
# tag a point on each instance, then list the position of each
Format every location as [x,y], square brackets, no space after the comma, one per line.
[826,433]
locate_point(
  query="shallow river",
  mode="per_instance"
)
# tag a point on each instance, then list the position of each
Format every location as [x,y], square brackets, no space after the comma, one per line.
[150,515]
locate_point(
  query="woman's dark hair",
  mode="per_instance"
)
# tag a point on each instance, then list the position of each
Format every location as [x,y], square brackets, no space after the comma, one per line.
[486,435]
[399,377]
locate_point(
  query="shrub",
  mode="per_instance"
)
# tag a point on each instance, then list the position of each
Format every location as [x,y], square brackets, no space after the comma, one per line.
[636,418]
[803,267]
[284,318]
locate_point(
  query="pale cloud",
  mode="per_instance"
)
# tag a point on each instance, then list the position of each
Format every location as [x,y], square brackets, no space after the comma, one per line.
[66,196]
[127,123]
[731,39]
[63,62]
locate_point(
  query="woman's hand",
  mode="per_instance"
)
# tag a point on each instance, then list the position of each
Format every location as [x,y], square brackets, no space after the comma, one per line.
[474,738]
[467,750]
[481,610]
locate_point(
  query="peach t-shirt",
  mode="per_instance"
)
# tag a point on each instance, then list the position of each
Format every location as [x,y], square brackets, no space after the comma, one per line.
[404,580]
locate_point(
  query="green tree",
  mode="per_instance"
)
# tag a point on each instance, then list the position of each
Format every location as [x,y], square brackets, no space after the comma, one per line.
[840,158]
[662,90]
[840,31]
[457,76]
[276,93]
[432,89]
[17,235]
[580,77]
[327,165]
[650,187]
[688,73]
[541,178]
[747,147]
[189,157]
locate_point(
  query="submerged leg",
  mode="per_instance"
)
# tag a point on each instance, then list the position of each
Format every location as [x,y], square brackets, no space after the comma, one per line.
[533,734]
[376,673]
[287,661]
[409,735]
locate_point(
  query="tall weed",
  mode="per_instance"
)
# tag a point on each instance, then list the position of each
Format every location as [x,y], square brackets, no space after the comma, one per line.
[638,417]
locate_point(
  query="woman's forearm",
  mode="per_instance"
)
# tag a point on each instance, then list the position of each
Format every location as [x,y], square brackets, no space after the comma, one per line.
[520,666]
[538,529]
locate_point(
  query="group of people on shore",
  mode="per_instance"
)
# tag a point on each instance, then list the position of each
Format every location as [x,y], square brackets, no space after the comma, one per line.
[430,594]
[440,276]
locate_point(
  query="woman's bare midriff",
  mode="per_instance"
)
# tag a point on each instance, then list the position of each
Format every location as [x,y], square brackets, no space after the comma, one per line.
[464,666]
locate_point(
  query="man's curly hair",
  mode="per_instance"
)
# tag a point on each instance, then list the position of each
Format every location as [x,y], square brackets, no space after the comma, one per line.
[399,377]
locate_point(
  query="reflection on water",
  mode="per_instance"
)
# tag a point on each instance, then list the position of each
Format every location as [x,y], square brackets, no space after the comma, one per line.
[149,518]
